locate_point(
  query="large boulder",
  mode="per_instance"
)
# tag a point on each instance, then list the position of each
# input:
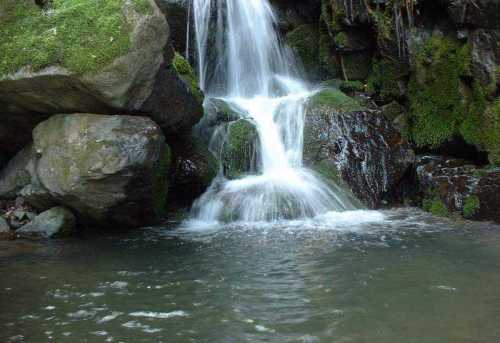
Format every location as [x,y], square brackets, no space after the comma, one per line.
[360,147]
[450,185]
[111,170]
[57,222]
[109,57]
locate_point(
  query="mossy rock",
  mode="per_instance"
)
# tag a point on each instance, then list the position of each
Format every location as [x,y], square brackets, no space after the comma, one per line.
[357,65]
[436,207]
[328,56]
[304,40]
[79,35]
[335,99]
[185,71]
[437,101]
[384,78]
[239,149]
[471,206]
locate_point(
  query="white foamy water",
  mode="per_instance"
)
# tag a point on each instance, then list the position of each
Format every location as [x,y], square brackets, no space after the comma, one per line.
[242,61]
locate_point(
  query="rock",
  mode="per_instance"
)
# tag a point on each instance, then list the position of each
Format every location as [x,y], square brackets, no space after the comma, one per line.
[460,186]
[18,173]
[176,12]
[111,170]
[5,232]
[477,13]
[360,147]
[192,170]
[54,223]
[217,112]
[304,41]
[239,148]
[122,71]
[486,58]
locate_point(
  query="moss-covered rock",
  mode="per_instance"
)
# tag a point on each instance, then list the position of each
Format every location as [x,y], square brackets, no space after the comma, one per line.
[184,69]
[385,78]
[61,33]
[336,100]
[436,207]
[304,40]
[437,96]
[239,149]
[356,65]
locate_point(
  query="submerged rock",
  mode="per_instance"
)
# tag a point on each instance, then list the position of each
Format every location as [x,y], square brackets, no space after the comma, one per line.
[111,170]
[460,187]
[360,147]
[54,223]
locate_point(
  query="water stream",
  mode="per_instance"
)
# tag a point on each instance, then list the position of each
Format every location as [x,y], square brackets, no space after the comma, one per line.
[242,61]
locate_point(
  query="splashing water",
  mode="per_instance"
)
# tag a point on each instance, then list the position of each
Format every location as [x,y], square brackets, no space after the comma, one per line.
[242,61]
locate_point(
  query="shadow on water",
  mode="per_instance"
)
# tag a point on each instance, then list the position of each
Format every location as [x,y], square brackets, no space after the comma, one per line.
[408,278]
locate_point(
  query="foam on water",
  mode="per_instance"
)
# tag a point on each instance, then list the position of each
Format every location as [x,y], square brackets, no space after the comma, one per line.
[242,60]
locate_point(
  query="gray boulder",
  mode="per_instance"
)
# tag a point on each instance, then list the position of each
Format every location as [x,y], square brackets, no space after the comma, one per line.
[111,170]
[54,223]
[486,57]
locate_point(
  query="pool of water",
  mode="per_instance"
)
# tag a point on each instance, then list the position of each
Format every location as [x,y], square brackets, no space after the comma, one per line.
[405,278]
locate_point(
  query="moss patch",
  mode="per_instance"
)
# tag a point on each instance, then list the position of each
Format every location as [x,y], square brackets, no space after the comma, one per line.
[437,102]
[384,78]
[183,68]
[471,206]
[336,99]
[239,152]
[304,40]
[435,207]
[80,35]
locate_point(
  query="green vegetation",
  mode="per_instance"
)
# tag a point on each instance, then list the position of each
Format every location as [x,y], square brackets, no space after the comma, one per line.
[336,99]
[437,102]
[80,35]
[183,68]
[384,78]
[436,207]
[238,152]
[471,127]
[491,133]
[341,39]
[160,182]
[471,206]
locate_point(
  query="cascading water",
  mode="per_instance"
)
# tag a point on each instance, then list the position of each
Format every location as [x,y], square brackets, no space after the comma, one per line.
[242,61]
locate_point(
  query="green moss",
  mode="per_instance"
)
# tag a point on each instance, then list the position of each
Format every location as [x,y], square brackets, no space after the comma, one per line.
[80,35]
[304,40]
[341,39]
[384,78]
[491,126]
[437,103]
[471,127]
[239,152]
[435,207]
[143,6]
[357,65]
[471,206]
[328,58]
[183,68]
[336,99]
[160,182]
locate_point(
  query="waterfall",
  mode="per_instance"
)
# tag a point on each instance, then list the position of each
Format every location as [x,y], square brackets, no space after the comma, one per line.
[242,61]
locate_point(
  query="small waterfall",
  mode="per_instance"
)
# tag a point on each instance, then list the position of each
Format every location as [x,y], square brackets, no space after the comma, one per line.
[242,61]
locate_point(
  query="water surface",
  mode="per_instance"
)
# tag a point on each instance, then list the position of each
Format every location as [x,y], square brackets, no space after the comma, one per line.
[406,278]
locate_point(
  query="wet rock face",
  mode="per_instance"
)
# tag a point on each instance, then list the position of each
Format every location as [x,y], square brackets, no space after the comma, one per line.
[192,170]
[368,154]
[486,57]
[463,188]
